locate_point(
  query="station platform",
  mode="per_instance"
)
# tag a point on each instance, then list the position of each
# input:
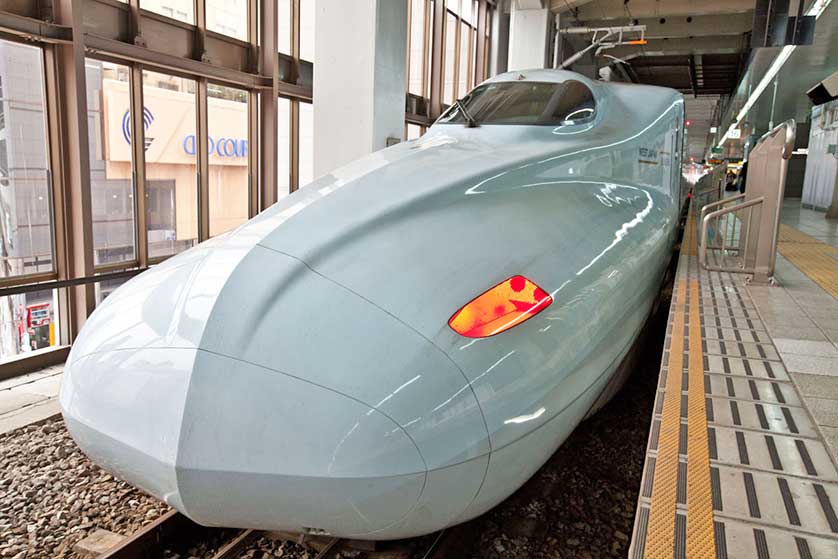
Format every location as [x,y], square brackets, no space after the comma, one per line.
[741,457]
[29,398]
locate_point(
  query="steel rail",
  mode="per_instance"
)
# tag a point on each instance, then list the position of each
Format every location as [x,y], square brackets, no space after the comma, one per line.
[150,540]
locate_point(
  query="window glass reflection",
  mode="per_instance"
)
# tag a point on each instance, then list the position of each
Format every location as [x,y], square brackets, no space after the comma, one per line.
[450,54]
[307,30]
[283,148]
[283,26]
[306,143]
[170,163]
[181,10]
[28,322]
[111,157]
[228,17]
[414,131]
[228,150]
[25,194]
[465,50]
[417,47]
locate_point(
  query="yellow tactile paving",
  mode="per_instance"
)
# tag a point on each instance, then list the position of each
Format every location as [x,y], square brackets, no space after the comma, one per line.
[700,537]
[791,235]
[660,538]
[688,244]
[814,258]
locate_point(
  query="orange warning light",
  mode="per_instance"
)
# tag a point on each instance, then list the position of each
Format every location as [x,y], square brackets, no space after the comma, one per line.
[505,305]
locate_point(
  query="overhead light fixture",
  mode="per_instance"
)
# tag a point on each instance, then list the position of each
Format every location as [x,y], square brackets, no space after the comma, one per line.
[817,9]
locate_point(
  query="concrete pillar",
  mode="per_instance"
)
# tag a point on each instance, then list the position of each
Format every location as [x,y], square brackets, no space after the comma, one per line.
[499,51]
[529,35]
[359,79]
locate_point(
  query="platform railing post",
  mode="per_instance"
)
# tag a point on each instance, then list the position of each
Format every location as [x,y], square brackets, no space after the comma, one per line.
[772,162]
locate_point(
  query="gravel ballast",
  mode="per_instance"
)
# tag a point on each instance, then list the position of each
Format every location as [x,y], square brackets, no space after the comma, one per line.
[52,496]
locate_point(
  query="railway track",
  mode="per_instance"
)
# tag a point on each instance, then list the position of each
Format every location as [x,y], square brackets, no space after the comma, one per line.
[175,531]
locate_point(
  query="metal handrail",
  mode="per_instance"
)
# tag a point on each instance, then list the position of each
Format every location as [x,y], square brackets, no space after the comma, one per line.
[706,207]
[790,127]
[757,256]
[705,222]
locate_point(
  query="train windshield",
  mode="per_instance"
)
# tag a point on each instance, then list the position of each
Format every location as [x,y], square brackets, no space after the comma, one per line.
[524,102]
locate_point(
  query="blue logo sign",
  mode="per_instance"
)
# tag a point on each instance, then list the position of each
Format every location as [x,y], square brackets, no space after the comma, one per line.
[222,147]
[148,118]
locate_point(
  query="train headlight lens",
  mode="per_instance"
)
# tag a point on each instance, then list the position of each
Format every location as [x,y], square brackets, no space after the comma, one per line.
[505,305]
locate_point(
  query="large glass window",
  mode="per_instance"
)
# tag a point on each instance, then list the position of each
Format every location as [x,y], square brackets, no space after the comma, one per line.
[522,102]
[416,55]
[283,25]
[228,17]
[306,143]
[171,169]
[465,59]
[283,148]
[450,58]
[413,131]
[307,30]
[28,322]
[25,193]
[111,169]
[181,10]
[228,158]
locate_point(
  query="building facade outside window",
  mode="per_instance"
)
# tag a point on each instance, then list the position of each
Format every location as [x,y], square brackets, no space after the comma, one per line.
[228,158]
[28,321]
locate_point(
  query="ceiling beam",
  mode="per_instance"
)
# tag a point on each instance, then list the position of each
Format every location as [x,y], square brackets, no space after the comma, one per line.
[560,6]
[722,44]
[698,26]
[693,78]
[619,9]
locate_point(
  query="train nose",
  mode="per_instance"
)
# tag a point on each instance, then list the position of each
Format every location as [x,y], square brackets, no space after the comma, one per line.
[234,444]
[204,397]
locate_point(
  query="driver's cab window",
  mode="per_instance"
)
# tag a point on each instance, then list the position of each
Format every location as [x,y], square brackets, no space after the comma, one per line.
[575,105]
[525,102]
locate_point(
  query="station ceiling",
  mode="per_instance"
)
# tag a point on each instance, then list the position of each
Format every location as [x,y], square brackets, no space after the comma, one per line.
[699,47]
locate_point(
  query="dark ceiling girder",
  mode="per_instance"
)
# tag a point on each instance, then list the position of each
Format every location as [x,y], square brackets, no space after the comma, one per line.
[693,78]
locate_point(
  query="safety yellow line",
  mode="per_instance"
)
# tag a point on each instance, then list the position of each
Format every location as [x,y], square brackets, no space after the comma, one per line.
[814,258]
[700,536]
[660,535]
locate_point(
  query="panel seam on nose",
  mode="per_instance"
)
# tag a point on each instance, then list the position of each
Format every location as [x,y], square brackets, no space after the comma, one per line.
[406,325]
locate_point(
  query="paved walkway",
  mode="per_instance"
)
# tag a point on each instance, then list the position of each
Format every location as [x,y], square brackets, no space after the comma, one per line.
[741,460]
[29,398]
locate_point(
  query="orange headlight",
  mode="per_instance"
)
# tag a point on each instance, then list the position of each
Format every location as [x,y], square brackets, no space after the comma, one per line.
[507,304]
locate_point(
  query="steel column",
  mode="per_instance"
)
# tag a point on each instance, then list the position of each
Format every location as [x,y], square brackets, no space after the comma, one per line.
[482,55]
[268,60]
[57,191]
[253,109]
[138,155]
[437,71]
[202,140]
[135,23]
[200,50]
[75,181]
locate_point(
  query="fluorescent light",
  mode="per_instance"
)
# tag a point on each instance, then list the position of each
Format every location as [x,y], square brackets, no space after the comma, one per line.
[817,9]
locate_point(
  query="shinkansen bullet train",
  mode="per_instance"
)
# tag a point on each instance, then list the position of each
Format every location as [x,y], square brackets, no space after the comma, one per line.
[401,344]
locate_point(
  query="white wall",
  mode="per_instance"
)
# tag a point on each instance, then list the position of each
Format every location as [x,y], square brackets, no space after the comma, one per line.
[359,78]
[528,38]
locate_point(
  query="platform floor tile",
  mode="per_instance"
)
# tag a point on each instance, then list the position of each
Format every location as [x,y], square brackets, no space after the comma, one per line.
[735,464]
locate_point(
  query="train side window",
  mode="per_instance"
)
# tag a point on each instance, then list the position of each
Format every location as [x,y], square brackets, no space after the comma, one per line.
[576,104]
